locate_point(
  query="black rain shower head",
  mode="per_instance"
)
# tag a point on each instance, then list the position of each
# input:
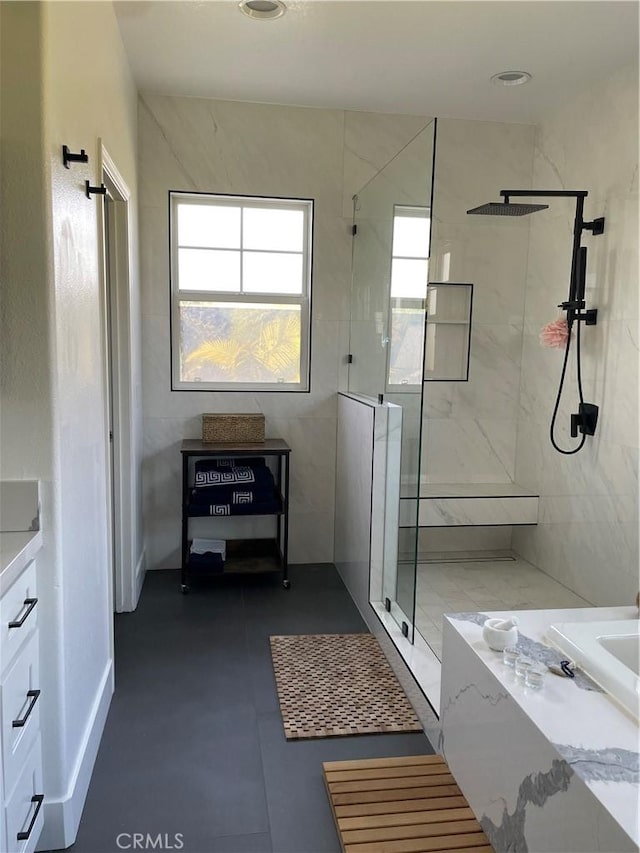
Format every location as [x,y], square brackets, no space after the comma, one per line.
[586,418]
[503,208]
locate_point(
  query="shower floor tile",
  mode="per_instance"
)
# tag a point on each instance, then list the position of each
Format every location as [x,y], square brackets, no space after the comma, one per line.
[483,585]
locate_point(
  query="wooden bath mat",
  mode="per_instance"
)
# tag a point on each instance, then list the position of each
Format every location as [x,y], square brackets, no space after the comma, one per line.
[401,805]
[332,685]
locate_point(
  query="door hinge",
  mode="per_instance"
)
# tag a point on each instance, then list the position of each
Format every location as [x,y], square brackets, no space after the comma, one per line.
[111,436]
[349,358]
[354,230]
[405,629]
[387,605]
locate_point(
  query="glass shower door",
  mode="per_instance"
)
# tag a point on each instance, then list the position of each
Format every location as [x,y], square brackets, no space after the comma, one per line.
[392,225]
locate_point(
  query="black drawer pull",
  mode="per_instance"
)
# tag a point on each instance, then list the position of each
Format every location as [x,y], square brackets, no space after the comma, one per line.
[29,603]
[37,798]
[33,695]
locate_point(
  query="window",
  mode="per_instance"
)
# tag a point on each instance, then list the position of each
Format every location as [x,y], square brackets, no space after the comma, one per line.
[240,292]
[409,272]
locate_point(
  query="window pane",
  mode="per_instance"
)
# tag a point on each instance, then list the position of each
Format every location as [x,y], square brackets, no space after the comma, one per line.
[267,272]
[217,226]
[409,278]
[208,269]
[411,236]
[277,230]
[232,342]
[405,357]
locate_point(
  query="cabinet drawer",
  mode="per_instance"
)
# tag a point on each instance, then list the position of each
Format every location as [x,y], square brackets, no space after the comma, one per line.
[20,703]
[18,614]
[23,812]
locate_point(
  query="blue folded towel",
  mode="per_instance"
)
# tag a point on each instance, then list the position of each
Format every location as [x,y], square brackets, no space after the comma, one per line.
[223,464]
[262,507]
[228,477]
[210,561]
[232,494]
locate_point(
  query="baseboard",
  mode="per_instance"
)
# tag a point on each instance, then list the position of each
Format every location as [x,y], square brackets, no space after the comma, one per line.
[141,570]
[62,816]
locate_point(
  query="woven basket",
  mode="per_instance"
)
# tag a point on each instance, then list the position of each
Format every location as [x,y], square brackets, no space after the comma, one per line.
[233,429]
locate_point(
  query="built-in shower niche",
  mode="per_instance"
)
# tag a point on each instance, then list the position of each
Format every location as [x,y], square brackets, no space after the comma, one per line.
[448,332]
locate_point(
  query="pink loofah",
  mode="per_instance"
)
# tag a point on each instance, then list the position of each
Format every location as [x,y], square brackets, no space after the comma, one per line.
[555,334]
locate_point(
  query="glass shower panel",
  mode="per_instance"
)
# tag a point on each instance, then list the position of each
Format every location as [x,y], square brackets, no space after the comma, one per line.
[370,290]
[392,227]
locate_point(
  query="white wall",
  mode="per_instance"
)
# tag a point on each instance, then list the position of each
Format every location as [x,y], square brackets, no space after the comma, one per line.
[53,390]
[254,149]
[587,536]
[469,428]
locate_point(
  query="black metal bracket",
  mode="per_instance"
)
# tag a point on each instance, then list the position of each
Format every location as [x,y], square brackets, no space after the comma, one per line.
[405,629]
[585,420]
[387,605]
[70,157]
[380,399]
[590,317]
[574,312]
[101,190]
[349,358]
[596,226]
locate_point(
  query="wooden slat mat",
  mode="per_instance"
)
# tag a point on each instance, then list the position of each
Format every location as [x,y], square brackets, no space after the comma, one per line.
[401,805]
[332,685]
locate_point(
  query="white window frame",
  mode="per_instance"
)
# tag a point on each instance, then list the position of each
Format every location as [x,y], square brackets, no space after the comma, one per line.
[306,206]
[419,212]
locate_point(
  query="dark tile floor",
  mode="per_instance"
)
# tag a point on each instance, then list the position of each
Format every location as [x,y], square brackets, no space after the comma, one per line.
[193,749]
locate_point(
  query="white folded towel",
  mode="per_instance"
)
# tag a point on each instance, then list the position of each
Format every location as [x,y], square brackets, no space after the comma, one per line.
[213,546]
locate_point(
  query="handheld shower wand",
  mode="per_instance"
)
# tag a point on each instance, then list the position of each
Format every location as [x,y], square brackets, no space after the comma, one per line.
[586,418]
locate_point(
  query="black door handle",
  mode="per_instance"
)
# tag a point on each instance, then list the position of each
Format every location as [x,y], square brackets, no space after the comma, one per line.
[29,603]
[33,695]
[37,798]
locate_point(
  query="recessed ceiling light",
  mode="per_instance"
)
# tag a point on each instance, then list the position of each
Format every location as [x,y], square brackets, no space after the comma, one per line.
[263,10]
[511,78]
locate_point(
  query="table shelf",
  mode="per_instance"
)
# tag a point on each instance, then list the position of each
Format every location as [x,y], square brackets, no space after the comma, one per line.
[243,555]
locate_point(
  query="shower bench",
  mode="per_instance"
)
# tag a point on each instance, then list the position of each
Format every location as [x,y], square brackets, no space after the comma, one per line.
[468,505]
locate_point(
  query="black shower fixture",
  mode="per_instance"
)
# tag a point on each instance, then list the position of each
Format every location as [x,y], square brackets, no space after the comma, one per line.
[585,419]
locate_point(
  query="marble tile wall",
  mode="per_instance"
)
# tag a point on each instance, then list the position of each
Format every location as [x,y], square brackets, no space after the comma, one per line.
[469,428]
[257,149]
[587,535]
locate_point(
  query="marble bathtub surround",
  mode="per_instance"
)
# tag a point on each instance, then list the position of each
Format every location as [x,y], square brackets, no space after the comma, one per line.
[560,765]
[532,651]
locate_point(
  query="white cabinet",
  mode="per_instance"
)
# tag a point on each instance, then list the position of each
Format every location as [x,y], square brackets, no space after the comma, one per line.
[21,792]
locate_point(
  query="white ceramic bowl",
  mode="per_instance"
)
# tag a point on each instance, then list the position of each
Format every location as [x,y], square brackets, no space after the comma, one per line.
[497,638]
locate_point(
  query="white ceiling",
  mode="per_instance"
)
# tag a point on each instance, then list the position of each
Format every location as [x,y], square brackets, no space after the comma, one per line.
[427,57]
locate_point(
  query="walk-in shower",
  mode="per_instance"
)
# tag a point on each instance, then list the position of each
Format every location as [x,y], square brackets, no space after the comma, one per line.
[443,335]
[586,418]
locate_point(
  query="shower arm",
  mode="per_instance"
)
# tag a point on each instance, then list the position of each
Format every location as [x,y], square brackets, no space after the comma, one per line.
[576,303]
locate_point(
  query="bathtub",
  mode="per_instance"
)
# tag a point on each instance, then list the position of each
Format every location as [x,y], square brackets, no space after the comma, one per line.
[608,652]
